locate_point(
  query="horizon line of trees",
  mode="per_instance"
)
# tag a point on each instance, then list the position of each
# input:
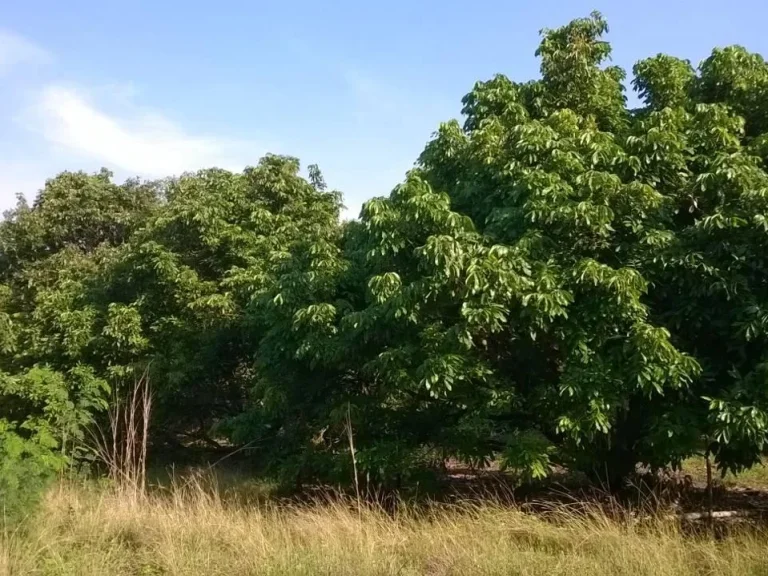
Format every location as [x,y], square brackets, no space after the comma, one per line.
[559,280]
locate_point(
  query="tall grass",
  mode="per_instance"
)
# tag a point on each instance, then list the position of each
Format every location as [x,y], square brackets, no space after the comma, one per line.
[123,447]
[194,529]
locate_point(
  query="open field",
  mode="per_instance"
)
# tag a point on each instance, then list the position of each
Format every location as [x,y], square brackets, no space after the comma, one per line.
[756,478]
[195,530]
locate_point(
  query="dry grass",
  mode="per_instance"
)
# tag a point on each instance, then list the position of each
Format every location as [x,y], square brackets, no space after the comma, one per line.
[194,530]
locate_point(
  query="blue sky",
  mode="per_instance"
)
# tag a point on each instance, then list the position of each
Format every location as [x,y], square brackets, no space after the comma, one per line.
[156,88]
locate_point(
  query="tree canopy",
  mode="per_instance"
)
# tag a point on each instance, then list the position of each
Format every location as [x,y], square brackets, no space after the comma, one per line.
[560,279]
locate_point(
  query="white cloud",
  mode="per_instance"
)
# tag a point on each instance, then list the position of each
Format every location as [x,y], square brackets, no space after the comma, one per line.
[16,50]
[142,142]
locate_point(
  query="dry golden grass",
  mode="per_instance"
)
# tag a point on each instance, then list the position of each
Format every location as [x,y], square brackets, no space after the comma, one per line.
[194,530]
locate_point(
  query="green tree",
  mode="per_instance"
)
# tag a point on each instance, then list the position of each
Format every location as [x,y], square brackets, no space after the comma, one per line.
[187,294]
[50,384]
[648,222]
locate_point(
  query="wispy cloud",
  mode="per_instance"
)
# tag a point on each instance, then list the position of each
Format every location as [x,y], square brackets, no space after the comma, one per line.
[142,142]
[15,51]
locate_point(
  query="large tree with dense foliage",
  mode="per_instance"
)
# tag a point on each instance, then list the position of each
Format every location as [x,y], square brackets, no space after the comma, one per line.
[105,283]
[51,381]
[650,226]
[563,278]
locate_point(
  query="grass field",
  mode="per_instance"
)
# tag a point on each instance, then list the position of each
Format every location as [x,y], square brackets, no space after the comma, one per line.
[195,530]
[755,478]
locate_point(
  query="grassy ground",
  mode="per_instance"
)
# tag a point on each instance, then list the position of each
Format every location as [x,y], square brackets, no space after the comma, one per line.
[194,530]
[755,478]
